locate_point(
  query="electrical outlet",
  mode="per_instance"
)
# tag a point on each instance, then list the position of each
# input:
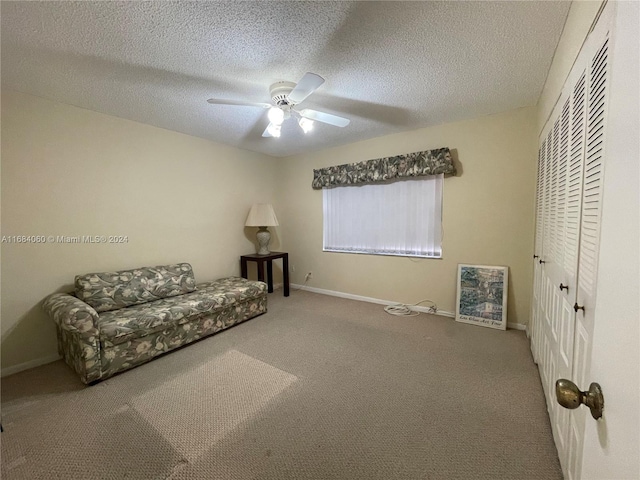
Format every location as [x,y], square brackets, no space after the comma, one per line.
[308,276]
[293,268]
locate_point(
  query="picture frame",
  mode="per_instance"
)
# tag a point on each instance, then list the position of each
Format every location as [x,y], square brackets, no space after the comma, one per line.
[482,295]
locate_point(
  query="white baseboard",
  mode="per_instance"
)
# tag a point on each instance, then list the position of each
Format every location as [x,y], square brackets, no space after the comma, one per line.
[517,326]
[361,298]
[443,313]
[27,365]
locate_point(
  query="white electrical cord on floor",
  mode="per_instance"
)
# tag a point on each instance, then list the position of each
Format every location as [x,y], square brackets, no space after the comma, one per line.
[303,285]
[404,310]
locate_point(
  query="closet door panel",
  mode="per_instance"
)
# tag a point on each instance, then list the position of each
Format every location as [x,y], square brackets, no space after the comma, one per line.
[574,187]
[593,175]
[537,315]
[590,221]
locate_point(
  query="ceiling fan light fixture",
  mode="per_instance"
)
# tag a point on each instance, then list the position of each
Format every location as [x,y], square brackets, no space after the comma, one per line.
[285,97]
[276,116]
[274,130]
[306,124]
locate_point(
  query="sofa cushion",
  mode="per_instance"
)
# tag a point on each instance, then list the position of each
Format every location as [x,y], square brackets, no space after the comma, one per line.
[119,326]
[114,290]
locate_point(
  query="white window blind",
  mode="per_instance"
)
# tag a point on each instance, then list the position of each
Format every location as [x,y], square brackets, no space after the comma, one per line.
[403,217]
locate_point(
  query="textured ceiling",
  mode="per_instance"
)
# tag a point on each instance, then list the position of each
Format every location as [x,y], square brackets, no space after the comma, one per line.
[389,66]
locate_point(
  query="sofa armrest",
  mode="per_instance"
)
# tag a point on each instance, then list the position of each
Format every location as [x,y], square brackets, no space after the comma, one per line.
[72,314]
[78,334]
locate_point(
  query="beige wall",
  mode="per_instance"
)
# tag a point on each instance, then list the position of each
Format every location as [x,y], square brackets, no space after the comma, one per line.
[69,171]
[582,15]
[487,214]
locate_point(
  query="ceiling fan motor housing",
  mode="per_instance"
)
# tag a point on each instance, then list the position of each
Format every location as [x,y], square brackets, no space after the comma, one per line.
[280,93]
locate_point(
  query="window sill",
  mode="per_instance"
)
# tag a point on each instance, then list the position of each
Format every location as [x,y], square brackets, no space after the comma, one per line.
[386,254]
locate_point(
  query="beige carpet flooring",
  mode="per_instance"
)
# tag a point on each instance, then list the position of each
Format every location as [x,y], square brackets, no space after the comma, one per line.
[317,388]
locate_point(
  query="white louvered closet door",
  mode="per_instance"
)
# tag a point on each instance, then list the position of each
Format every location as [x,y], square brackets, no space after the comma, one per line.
[537,267]
[552,305]
[568,206]
[596,117]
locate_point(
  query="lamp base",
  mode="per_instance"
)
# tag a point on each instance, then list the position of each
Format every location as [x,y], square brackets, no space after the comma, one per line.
[264,237]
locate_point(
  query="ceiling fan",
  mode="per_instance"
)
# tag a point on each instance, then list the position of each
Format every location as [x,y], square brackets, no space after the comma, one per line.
[285,97]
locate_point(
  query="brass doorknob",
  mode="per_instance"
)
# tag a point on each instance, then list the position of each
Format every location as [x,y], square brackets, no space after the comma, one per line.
[570,396]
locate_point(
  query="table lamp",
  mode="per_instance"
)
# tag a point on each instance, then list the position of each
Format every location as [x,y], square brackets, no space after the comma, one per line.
[262,216]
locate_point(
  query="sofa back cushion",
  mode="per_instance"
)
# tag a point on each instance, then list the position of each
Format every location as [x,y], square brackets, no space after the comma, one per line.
[113,290]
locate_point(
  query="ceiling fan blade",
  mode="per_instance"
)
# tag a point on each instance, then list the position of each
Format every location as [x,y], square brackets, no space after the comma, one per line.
[238,103]
[305,87]
[323,117]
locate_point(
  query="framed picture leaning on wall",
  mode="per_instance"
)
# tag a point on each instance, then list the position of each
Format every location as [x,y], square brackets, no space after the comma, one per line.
[482,295]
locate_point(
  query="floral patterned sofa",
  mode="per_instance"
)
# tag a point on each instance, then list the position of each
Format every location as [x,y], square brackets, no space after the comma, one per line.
[118,320]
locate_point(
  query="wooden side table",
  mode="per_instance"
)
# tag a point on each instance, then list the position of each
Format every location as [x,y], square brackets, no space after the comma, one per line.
[269,258]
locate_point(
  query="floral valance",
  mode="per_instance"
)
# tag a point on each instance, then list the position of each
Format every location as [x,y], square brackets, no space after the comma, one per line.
[429,162]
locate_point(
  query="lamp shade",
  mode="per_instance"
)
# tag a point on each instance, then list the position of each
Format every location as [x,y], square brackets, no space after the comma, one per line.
[261,215]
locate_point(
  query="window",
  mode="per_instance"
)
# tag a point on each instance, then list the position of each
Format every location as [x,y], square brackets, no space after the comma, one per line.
[403,217]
